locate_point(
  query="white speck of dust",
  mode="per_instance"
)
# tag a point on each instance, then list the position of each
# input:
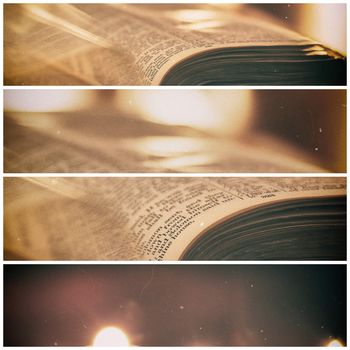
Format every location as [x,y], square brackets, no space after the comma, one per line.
[316,148]
[286,17]
[181,307]
[201,224]
[200,328]
[320,130]
[261,331]
[252,286]
[55,343]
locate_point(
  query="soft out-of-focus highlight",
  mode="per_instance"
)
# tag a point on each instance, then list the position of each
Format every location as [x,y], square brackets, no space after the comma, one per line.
[335,343]
[46,100]
[218,112]
[174,131]
[325,23]
[111,336]
[168,305]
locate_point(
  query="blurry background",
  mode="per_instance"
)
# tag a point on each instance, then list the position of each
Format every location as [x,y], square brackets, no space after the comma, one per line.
[176,126]
[187,305]
[325,23]
[314,121]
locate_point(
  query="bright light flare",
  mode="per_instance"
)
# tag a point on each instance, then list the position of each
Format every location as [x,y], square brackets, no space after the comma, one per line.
[223,112]
[45,100]
[192,15]
[197,19]
[326,23]
[203,19]
[335,343]
[111,336]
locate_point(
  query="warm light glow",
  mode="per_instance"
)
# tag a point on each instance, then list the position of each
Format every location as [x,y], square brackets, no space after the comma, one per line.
[203,19]
[67,18]
[192,15]
[217,112]
[43,121]
[185,163]
[325,23]
[174,152]
[205,25]
[45,100]
[111,336]
[168,146]
[335,343]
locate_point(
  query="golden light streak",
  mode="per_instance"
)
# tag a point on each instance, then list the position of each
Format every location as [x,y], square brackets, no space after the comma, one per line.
[202,25]
[111,336]
[169,146]
[44,15]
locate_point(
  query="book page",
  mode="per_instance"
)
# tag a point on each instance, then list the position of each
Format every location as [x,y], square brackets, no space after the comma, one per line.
[134,218]
[123,44]
[93,141]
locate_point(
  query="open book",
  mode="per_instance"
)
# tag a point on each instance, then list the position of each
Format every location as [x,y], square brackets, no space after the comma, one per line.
[110,141]
[153,44]
[170,218]
[146,132]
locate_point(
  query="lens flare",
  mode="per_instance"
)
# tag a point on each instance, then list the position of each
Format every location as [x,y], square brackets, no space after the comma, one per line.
[335,343]
[111,336]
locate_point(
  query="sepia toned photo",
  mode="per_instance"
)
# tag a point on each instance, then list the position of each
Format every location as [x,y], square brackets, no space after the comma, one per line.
[175,131]
[182,305]
[174,174]
[175,218]
[174,44]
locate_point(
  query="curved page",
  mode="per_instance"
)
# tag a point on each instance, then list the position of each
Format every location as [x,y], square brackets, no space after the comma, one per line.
[134,218]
